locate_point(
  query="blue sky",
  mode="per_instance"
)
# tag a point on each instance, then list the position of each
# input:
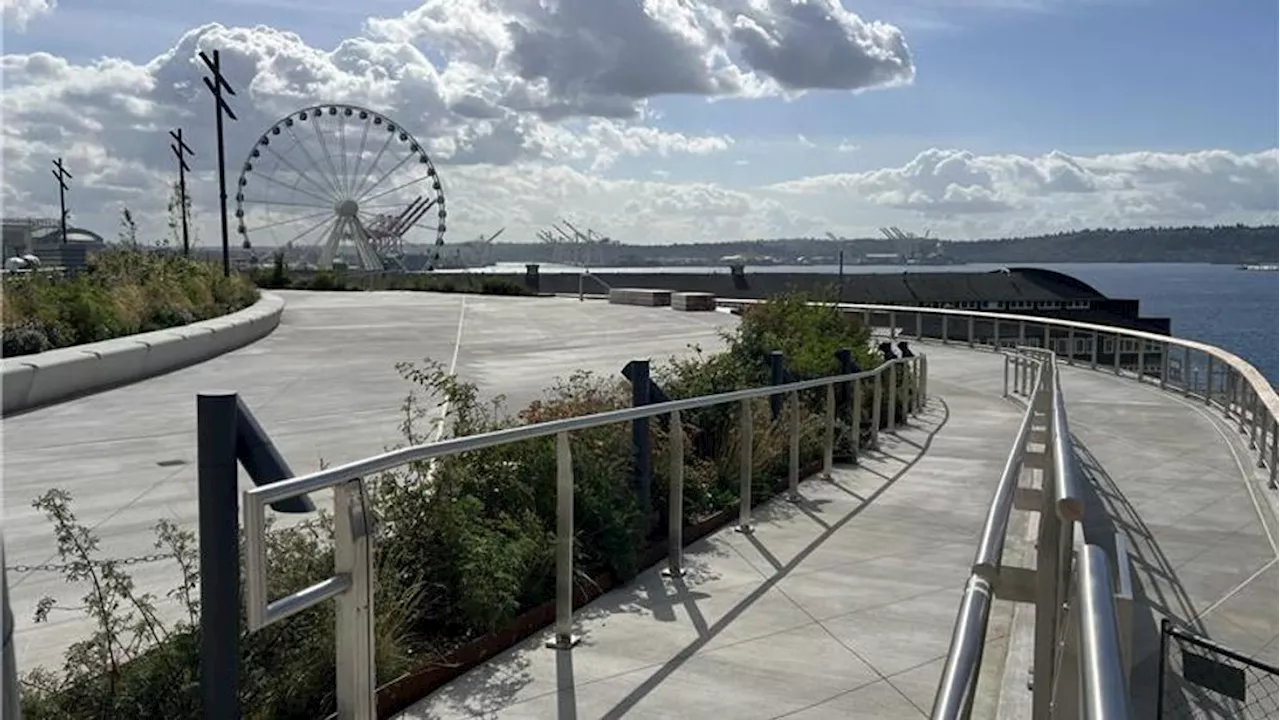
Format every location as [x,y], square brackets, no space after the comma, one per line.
[993,78]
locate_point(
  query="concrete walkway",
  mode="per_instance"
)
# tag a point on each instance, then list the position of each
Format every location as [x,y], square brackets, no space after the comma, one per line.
[324,384]
[842,605]
[1182,487]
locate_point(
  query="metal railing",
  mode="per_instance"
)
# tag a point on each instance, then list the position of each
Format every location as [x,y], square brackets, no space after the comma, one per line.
[351,584]
[1088,620]
[1242,394]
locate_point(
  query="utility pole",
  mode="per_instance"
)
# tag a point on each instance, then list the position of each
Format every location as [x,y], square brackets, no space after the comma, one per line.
[181,150]
[62,176]
[218,85]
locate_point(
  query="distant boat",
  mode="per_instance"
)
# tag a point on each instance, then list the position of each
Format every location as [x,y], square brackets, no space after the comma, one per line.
[1261,268]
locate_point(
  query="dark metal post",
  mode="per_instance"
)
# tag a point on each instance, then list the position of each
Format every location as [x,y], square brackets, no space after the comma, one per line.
[641,442]
[218,86]
[841,295]
[181,150]
[219,554]
[777,376]
[844,361]
[62,176]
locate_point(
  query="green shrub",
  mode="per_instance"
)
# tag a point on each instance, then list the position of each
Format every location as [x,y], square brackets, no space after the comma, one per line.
[331,280]
[464,544]
[122,291]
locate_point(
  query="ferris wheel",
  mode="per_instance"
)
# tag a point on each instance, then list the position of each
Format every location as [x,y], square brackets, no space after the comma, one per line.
[336,181]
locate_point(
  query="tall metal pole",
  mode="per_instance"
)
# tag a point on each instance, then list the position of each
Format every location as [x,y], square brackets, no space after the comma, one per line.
[216,486]
[218,85]
[181,150]
[62,176]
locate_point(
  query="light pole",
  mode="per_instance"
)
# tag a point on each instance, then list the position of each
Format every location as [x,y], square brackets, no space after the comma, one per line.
[62,176]
[181,150]
[218,85]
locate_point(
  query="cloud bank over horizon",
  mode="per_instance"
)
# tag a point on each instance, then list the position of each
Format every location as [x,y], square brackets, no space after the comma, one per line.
[535,111]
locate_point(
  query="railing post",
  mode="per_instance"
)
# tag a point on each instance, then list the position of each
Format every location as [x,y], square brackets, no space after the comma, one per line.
[641,440]
[1071,346]
[745,442]
[1262,432]
[1164,365]
[1022,333]
[891,423]
[564,638]
[777,376]
[675,500]
[216,481]
[793,459]
[1115,356]
[1142,360]
[1255,421]
[355,671]
[995,335]
[1248,411]
[1208,380]
[1046,331]
[970,331]
[893,325]
[1187,389]
[924,380]
[876,400]
[829,438]
[1275,455]
[1006,377]
[919,325]
[1232,391]
[855,419]
[946,334]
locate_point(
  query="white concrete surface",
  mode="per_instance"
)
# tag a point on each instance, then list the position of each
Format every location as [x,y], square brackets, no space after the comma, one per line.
[323,384]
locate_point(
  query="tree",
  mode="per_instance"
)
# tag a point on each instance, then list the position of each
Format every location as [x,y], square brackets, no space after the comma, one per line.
[176,203]
[128,228]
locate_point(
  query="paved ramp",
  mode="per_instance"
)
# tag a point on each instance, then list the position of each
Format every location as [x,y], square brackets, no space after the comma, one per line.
[838,606]
[323,384]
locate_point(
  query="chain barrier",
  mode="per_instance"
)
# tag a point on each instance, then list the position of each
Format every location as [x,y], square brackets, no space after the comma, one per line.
[1201,679]
[64,567]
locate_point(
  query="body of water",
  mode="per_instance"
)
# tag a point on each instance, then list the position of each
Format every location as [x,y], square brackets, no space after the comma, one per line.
[1216,304]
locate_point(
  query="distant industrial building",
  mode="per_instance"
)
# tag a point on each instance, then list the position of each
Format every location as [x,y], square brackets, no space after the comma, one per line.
[42,237]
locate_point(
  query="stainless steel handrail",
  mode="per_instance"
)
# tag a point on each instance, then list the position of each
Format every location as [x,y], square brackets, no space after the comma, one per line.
[964,659]
[329,477]
[352,583]
[1245,397]
[1104,680]
[1067,485]
[1104,693]
[986,561]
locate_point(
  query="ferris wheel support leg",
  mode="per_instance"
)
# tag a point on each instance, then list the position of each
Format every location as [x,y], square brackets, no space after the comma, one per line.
[331,245]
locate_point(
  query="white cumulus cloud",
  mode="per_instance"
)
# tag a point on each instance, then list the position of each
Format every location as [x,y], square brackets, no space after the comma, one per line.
[18,14]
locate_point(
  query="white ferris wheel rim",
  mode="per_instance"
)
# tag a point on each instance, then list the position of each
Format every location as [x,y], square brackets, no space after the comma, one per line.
[335,196]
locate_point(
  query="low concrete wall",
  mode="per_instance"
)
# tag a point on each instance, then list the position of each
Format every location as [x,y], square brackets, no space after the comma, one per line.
[31,381]
[640,296]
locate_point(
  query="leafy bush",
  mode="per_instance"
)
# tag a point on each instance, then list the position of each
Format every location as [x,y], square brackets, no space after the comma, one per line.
[122,291]
[464,544]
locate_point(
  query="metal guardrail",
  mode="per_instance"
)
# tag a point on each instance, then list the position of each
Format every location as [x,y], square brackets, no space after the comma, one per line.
[1101,674]
[1243,395]
[352,583]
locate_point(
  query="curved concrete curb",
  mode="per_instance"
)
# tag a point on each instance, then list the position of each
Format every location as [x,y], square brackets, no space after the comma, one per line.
[31,381]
